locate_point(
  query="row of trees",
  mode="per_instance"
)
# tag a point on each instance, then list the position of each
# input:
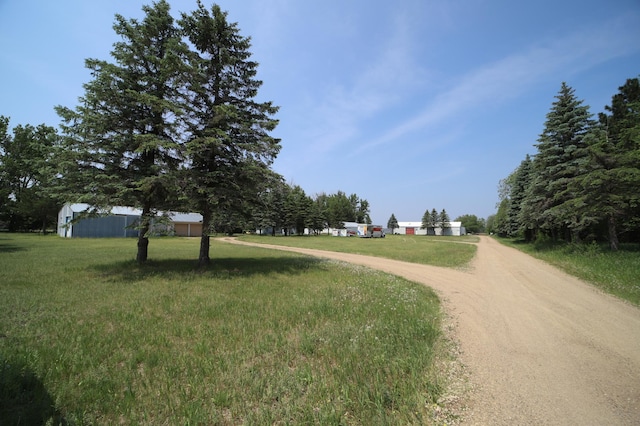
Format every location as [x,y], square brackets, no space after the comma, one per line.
[31,193]
[171,124]
[287,207]
[432,219]
[584,181]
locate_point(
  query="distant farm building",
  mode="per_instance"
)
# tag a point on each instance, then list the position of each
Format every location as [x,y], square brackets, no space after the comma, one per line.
[122,222]
[415,228]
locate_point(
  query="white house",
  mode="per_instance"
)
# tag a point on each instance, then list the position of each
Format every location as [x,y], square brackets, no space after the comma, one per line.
[120,222]
[415,228]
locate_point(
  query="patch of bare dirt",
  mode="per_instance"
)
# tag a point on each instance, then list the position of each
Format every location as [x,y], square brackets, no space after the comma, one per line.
[536,346]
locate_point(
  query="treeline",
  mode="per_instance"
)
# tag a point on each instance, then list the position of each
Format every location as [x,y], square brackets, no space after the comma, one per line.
[287,208]
[432,219]
[29,193]
[171,124]
[583,184]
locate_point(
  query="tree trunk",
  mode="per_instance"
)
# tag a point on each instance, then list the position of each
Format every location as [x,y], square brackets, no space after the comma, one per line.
[203,258]
[143,245]
[143,240]
[613,234]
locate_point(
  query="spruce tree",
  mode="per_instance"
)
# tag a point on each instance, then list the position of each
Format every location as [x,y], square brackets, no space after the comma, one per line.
[392,223]
[122,140]
[520,182]
[230,149]
[444,221]
[610,190]
[433,221]
[426,220]
[562,157]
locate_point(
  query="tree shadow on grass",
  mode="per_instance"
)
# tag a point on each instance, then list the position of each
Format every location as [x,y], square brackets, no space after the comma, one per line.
[7,247]
[219,268]
[24,399]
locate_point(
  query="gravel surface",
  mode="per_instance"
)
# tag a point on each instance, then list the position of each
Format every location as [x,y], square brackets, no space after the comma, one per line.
[534,346]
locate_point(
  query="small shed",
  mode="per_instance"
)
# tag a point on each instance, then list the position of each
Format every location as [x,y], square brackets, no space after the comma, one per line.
[119,221]
[187,224]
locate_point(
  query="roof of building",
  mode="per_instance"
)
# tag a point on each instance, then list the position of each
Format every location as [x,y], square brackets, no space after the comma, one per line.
[419,224]
[131,211]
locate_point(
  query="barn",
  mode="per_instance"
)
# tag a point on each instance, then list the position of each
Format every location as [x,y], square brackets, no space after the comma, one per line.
[121,222]
[415,228]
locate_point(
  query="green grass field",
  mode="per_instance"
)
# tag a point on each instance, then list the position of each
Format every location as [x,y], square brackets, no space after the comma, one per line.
[429,250]
[617,273]
[87,336]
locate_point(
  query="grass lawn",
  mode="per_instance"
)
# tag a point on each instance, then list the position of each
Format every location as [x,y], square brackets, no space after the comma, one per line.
[617,273]
[429,250]
[261,337]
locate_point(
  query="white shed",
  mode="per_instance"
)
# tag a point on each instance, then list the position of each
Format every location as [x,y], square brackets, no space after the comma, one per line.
[415,228]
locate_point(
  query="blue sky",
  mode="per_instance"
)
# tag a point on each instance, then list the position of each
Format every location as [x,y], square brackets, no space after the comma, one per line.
[410,104]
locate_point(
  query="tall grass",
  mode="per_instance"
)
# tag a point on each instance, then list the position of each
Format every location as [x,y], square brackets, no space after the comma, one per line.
[617,273]
[87,336]
[428,250]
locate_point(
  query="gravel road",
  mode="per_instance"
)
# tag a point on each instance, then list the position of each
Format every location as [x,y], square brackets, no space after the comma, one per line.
[540,347]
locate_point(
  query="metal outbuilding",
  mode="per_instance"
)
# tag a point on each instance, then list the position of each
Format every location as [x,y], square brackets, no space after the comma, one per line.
[415,228]
[120,221]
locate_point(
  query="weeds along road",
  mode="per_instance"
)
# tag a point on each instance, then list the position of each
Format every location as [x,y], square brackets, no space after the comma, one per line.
[541,347]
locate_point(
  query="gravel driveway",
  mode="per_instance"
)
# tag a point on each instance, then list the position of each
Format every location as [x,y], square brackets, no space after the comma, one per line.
[540,347]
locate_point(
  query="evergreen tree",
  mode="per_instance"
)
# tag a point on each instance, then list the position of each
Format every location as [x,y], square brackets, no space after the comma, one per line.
[230,149]
[433,221]
[5,186]
[562,157]
[426,220]
[444,221]
[340,209]
[520,181]
[317,216]
[297,209]
[123,140]
[610,190]
[269,213]
[392,223]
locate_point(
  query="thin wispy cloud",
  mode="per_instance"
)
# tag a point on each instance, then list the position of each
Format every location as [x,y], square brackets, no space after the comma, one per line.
[510,77]
[337,117]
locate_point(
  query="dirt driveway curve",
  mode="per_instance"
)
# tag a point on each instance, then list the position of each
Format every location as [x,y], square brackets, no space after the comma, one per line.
[542,347]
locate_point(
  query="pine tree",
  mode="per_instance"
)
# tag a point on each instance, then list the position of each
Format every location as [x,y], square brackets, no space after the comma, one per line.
[392,223]
[122,140]
[610,190]
[562,156]
[230,149]
[520,181]
[433,221]
[444,221]
[426,220]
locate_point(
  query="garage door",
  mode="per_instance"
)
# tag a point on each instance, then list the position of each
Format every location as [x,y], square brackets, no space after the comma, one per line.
[411,231]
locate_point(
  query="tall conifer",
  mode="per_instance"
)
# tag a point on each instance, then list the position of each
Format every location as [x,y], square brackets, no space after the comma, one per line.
[123,138]
[562,157]
[230,149]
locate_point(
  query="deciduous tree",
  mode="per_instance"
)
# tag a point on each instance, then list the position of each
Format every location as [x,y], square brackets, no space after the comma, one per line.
[28,176]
